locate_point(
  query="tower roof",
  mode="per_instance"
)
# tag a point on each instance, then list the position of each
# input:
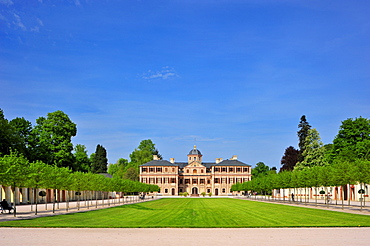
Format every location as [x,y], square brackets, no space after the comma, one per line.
[194,151]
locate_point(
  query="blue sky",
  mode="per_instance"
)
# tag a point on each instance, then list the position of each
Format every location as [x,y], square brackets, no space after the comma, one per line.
[233,77]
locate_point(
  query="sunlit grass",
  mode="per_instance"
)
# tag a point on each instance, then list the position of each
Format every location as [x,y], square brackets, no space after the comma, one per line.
[190,212]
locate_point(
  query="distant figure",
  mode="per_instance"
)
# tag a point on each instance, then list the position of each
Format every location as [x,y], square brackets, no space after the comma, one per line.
[292,197]
[5,206]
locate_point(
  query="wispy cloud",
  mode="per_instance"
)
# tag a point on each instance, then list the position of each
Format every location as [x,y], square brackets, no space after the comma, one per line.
[6,2]
[164,73]
[18,22]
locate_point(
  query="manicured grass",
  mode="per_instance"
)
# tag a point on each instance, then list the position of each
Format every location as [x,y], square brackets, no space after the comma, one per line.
[206,212]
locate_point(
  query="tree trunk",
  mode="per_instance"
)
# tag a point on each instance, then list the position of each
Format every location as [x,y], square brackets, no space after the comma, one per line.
[36,202]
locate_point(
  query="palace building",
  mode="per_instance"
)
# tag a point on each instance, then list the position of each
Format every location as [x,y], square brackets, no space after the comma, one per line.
[195,176]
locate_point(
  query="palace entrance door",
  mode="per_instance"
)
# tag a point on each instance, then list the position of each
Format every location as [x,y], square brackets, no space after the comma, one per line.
[194,191]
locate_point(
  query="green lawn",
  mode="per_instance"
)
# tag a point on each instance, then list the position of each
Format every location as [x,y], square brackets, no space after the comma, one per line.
[206,212]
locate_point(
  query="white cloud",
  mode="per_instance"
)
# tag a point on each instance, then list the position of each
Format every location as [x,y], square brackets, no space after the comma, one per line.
[39,22]
[18,22]
[6,2]
[164,73]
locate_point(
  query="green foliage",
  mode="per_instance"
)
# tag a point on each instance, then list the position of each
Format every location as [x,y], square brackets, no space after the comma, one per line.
[353,140]
[131,174]
[302,135]
[99,162]
[314,153]
[119,168]
[82,161]
[51,141]
[260,170]
[8,136]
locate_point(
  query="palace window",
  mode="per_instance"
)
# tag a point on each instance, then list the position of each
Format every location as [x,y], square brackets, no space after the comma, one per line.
[231,180]
[208,190]
[187,181]
[187,171]
[223,190]
[180,190]
[194,171]
[208,181]
[231,169]
[159,181]
[151,169]
[217,180]
[246,169]
[201,181]
[202,171]
[173,180]
[195,181]
[143,169]
[223,169]
[159,169]
[180,181]
[238,169]
[165,190]
[217,169]
[166,170]
[224,180]
[173,170]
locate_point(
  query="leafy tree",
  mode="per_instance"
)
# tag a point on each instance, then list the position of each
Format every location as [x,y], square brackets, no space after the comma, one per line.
[7,136]
[52,139]
[131,174]
[143,154]
[302,134]
[100,161]
[22,131]
[260,170]
[290,159]
[119,168]
[353,139]
[314,152]
[37,177]
[14,170]
[82,161]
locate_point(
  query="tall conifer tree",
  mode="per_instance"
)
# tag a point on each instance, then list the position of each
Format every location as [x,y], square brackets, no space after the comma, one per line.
[302,134]
[100,160]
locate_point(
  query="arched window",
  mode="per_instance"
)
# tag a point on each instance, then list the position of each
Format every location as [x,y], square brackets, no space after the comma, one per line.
[201,170]
[187,171]
[194,171]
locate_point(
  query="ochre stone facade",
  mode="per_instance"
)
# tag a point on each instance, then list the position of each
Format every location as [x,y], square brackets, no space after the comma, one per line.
[195,176]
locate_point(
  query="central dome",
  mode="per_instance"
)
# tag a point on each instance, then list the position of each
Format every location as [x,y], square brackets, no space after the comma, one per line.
[195,151]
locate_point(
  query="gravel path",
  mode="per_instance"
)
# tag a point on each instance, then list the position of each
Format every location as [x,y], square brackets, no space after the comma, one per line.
[170,236]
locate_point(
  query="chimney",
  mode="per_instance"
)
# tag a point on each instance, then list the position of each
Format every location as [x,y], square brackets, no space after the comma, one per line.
[218,160]
[155,158]
[235,157]
[172,160]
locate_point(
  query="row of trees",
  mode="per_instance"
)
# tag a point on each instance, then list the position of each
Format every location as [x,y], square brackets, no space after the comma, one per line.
[50,141]
[340,173]
[351,143]
[17,171]
[130,170]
